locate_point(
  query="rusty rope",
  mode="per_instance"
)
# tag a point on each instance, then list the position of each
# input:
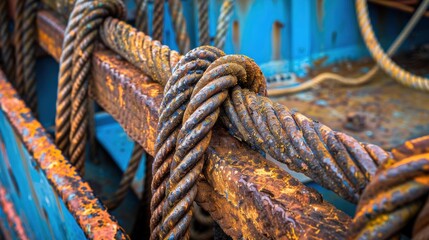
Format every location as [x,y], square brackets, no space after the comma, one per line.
[203,22]
[25,51]
[223,23]
[395,196]
[158,20]
[179,23]
[7,57]
[128,176]
[359,161]
[332,159]
[72,103]
[141,15]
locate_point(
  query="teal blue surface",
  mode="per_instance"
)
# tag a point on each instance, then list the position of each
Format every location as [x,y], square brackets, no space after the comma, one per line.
[41,210]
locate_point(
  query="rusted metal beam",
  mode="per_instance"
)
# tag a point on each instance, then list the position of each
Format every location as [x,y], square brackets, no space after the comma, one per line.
[77,195]
[247,195]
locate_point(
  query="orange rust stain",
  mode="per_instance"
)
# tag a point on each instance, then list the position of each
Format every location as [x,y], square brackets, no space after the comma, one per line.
[121,96]
[49,44]
[91,215]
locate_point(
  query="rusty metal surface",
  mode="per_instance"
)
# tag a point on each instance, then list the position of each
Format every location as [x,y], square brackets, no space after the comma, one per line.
[389,112]
[305,145]
[63,7]
[50,33]
[76,194]
[116,78]
[252,199]
[122,94]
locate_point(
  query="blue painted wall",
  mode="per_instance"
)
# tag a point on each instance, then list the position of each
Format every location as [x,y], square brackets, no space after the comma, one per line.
[289,35]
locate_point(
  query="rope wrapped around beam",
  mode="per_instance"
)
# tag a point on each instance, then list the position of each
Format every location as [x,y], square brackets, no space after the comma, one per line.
[331,158]
[206,84]
[305,146]
[72,103]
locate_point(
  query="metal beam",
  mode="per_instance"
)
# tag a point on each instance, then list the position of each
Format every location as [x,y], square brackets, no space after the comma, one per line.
[247,195]
[78,196]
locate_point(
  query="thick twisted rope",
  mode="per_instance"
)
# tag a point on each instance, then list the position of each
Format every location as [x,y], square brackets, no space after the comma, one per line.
[72,103]
[6,49]
[203,22]
[212,81]
[25,45]
[141,15]
[327,156]
[179,24]
[305,145]
[158,20]
[223,23]
[333,159]
[396,195]
[392,199]
[127,178]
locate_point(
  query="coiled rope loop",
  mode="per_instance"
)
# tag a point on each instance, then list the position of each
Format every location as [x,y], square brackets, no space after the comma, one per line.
[72,103]
[193,95]
[333,159]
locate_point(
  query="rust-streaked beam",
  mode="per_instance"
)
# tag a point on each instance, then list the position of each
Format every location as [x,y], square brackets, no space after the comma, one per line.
[247,195]
[77,195]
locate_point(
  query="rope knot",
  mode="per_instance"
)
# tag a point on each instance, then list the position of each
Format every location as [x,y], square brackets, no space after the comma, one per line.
[193,95]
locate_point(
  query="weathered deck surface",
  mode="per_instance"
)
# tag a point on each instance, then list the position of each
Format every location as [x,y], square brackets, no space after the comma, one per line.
[383,111]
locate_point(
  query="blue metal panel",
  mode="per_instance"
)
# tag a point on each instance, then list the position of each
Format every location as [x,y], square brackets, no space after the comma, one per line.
[116,142]
[41,210]
[46,77]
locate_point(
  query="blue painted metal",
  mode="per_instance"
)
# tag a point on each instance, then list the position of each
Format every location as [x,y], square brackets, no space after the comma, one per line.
[116,142]
[42,212]
[46,74]
[322,31]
